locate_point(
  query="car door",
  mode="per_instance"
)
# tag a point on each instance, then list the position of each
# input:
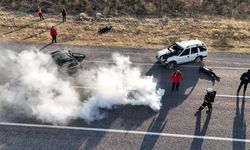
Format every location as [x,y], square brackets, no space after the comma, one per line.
[194,53]
[184,56]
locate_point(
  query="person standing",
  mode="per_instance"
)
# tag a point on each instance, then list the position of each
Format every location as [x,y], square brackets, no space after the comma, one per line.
[244,80]
[39,12]
[176,78]
[53,34]
[208,100]
[64,13]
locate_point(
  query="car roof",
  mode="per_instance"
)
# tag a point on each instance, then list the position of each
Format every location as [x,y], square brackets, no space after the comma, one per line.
[59,56]
[185,44]
[58,52]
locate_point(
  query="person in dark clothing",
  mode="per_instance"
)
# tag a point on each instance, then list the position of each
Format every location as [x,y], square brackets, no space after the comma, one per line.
[210,73]
[104,29]
[64,13]
[39,12]
[244,80]
[208,100]
[53,34]
[176,78]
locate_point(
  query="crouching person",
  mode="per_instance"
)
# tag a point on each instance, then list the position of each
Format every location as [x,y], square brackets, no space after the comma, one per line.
[208,100]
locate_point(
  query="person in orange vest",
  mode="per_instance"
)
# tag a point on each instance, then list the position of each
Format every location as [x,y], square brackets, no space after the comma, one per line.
[53,34]
[176,78]
[64,13]
[39,11]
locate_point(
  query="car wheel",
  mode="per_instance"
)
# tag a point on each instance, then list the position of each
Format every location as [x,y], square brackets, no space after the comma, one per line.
[198,59]
[157,62]
[170,65]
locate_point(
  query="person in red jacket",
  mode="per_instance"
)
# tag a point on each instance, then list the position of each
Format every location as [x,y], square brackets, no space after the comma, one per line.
[39,12]
[176,78]
[53,34]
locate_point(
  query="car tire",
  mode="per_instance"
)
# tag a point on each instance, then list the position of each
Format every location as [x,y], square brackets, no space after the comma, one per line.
[157,62]
[170,65]
[198,59]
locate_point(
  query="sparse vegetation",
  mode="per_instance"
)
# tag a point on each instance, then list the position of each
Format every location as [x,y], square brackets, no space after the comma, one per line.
[239,9]
[136,23]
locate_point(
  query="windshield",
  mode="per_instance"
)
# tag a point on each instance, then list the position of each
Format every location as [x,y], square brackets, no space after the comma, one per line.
[176,49]
[61,57]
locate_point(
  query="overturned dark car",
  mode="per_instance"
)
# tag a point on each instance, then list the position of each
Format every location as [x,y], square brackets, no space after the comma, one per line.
[67,61]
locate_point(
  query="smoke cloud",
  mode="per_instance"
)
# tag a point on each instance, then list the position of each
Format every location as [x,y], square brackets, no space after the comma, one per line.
[31,85]
[118,84]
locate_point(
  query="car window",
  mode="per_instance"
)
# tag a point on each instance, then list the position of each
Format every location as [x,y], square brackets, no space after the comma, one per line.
[185,52]
[176,49]
[194,50]
[60,58]
[202,48]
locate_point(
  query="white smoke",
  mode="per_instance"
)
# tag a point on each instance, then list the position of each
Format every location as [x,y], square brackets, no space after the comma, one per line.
[118,84]
[30,85]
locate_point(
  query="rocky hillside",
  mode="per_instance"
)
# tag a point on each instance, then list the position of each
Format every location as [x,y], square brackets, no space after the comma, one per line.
[239,9]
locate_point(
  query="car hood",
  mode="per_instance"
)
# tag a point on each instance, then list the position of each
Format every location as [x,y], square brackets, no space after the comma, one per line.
[162,52]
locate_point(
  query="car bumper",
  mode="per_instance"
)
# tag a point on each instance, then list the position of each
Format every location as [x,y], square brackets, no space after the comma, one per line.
[160,61]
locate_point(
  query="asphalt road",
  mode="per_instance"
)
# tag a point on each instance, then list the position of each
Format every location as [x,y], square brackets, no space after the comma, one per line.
[175,126]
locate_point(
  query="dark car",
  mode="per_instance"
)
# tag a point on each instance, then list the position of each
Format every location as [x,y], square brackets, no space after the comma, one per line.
[67,61]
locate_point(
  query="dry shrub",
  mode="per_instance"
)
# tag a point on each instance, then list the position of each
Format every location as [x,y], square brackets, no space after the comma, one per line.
[229,8]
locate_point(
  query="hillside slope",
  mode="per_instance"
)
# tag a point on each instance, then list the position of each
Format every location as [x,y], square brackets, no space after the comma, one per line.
[239,9]
[128,32]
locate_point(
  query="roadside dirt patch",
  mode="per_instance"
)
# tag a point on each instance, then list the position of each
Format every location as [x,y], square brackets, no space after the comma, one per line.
[127,32]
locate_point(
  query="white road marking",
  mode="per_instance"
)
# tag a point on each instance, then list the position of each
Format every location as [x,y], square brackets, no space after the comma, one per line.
[216,67]
[126,132]
[218,95]
[153,63]
[110,62]
[123,53]
[232,96]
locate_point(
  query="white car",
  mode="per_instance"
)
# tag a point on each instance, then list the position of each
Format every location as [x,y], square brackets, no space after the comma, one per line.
[182,52]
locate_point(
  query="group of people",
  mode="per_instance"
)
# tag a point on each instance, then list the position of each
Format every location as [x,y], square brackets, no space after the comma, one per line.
[53,31]
[176,77]
[40,13]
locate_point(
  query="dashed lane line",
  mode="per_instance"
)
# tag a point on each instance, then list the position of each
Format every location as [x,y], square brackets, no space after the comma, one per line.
[232,96]
[126,132]
[218,95]
[151,64]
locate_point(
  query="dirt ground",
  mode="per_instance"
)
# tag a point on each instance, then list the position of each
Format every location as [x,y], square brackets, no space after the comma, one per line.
[151,33]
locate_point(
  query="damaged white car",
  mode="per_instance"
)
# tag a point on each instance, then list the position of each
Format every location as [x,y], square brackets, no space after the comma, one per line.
[182,52]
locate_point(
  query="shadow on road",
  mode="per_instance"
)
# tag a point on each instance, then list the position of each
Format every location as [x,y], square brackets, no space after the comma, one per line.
[170,99]
[129,116]
[45,46]
[92,139]
[239,126]
[197,143]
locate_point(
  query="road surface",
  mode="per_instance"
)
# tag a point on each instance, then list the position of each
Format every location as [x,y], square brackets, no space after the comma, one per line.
[175,126]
